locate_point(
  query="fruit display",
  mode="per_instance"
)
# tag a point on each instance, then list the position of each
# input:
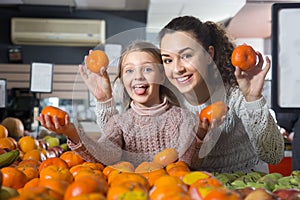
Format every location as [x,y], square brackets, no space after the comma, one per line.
[244,57]
[35,169]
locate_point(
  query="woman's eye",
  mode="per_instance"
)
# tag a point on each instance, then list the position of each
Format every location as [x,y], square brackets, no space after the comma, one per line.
[186,56]
[167,61]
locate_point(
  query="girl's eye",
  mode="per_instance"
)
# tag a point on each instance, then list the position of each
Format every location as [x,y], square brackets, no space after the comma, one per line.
[148,69]
[128,71]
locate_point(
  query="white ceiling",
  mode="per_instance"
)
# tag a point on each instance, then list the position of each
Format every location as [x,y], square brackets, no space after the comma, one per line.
[245,18]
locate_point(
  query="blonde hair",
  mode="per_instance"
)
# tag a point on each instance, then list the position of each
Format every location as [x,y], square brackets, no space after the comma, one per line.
[143,46]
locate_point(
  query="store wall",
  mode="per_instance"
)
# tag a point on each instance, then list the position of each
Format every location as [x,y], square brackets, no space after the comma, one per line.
[116,22]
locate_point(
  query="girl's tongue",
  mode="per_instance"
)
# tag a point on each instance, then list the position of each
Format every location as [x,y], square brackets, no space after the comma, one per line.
[140,90]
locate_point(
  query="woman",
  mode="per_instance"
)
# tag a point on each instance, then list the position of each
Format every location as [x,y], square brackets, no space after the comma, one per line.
[197,58]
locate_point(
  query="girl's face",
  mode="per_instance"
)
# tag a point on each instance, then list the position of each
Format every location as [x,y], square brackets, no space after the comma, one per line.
[142,77]
[185,61]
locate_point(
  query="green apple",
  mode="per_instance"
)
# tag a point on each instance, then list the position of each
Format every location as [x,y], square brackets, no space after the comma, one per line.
[52,141]
[64,146]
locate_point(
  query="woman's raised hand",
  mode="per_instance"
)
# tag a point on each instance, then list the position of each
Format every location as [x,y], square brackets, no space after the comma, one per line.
[251,82]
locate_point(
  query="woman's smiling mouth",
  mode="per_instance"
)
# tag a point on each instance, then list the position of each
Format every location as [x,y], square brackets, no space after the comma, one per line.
[184,79]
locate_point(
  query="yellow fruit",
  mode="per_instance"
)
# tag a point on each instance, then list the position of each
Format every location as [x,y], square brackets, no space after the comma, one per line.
[27,143]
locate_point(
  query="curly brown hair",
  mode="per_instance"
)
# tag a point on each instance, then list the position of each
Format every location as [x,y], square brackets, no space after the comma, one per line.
[207,34]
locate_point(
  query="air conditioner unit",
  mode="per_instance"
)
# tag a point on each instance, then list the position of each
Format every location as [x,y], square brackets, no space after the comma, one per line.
[58,32]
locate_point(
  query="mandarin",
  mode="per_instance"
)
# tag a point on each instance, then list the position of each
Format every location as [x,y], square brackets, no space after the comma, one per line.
[244,57]
[3,131]
[213,111]
[95,60]
[12,177]
[166,156]
[72,158]
[54,111]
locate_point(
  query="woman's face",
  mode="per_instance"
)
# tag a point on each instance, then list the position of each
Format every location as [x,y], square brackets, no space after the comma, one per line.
[142,77]
[185,61]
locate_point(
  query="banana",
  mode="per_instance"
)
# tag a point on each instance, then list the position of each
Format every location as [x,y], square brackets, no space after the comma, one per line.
[8,158]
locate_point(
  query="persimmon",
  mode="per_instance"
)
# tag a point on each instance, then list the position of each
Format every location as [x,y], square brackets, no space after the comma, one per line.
[12,177]
[178,169]
[71,158]
[90,172]
[56,172]
[53,161]
[166,156]
[30,163]
[244,57]
[32,183]
[95,60]
[34,154]
[94,165]
[30,172]
[170,181]
[57,185]
[127,190]
[178,164]
[193,176]
[213,111]
[7,143]
[222,193]
[152,171]
[123,177]
[90,196]
[174,195]
[38,193]
[148,167]
[54,111]
[86,185]
[163,191]
[202,187]
[124,166]
[3,131]
[77,168]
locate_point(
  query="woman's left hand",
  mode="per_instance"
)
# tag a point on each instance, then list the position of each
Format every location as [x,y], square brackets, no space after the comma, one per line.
[204,126]
[251,82]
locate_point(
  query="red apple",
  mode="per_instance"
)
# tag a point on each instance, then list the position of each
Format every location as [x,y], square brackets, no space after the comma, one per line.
[244,191]
[261,194]
[287,194]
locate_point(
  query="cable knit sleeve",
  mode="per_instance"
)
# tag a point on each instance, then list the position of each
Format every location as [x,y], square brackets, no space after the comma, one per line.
[260,127]
[106,150]
[104,111]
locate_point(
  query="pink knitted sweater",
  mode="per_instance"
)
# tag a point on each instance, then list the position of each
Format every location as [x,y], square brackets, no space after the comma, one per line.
[136,138]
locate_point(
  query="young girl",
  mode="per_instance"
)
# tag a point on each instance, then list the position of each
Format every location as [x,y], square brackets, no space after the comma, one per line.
[150,124]
[194,55]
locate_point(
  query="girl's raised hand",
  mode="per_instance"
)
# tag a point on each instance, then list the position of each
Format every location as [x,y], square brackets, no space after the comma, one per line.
[251,82]
[97,83]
